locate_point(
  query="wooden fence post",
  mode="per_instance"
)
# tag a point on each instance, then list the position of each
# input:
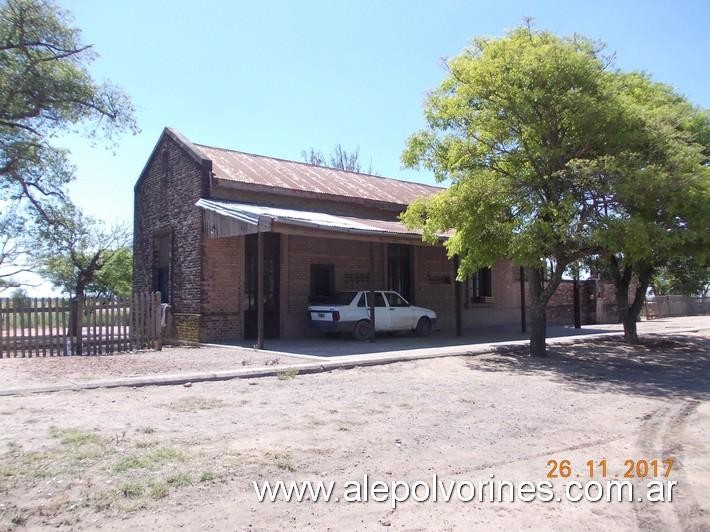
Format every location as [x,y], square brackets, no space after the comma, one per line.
[79,326]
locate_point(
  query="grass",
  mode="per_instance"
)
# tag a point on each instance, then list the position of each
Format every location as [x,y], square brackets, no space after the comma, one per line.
[193,404]
[147,460]
[132,473]
[207,476]
[157,489]
[287,374]
[280,459]
[76,437]
[180,480]
[145,444]
[131,489]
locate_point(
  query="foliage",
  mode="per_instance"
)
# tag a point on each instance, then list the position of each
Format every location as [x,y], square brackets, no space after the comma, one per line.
[339,158]
[75,249]
[13,260]
[656,214]
[682,276]
[46,90]
[520,127]
[114,278]
[19,295]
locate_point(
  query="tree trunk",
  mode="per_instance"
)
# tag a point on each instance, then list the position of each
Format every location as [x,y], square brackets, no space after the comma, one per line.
[75,318]
[539,297]
[629,312]
[538,331]
[630,333]
[634,310]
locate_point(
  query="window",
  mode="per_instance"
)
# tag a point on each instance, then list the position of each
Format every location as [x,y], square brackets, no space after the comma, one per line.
[395,300]
[322,282]
[479,287]
[379,300]
[341,298]
[161,274]
[165,163]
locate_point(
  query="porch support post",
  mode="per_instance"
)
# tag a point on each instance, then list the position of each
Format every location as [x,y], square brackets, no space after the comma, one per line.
[523,325]
[458,298]
[576,303]
[260,290]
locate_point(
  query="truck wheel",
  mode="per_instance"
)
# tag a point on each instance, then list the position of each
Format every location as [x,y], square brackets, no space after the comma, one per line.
[423,327]
[362,330]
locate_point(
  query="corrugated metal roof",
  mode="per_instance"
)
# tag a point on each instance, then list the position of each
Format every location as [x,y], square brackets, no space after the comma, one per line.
[292,175]
[263,216]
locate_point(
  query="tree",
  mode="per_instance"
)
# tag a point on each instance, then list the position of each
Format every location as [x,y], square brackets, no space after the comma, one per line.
[515,127]
[13,259]
[656,210]
[683,276]
[76,248]
[339,158]
[113,278]
[46,90]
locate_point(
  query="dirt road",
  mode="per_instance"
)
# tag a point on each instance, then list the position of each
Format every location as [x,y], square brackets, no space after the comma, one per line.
[185,457]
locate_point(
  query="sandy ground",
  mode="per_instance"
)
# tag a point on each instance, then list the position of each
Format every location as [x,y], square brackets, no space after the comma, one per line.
[174,457]
[171,360]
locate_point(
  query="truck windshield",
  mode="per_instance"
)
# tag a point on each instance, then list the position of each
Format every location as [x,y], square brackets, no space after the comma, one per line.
[340,298]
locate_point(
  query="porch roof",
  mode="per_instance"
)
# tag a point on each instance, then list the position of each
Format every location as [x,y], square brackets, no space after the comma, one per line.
[227,218]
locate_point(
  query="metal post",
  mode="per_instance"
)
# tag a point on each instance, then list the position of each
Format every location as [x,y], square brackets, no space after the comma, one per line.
[371,296]
[260,290]
[523,324]
[576,303]
[457,299]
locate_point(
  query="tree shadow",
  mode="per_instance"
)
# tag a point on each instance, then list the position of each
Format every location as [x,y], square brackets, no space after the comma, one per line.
[665,366]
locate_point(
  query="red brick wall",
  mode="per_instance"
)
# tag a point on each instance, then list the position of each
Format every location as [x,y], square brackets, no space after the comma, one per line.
[222,289]
[434,284]
[347,256]
[165,204]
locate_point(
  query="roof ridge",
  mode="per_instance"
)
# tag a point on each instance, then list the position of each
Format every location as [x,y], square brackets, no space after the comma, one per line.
[311,165]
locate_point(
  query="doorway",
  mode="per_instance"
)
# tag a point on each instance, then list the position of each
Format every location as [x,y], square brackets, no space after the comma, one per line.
[399,270]
[272,246]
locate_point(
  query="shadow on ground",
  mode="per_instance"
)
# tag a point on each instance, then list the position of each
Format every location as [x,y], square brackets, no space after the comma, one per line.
[345,345]
[665,366]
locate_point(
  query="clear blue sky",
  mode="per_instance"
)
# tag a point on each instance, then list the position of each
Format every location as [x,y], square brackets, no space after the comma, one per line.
[277,77]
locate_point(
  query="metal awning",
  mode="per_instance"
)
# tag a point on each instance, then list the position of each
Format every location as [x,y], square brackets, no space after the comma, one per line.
[226,218]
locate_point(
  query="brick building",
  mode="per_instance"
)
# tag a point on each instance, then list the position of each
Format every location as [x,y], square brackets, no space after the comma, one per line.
[199,209]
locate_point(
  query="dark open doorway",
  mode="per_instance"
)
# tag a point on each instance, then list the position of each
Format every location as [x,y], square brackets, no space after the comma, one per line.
[271,286]
[399,270]
[322,282]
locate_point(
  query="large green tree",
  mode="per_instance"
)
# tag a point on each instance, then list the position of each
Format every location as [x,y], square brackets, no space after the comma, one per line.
[46,90]
[113,275]
[656,211]
[74,251]
[515,128]
[683,276]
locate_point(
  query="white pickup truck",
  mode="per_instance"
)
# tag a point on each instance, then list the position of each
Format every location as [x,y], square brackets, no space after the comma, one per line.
[350,312]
